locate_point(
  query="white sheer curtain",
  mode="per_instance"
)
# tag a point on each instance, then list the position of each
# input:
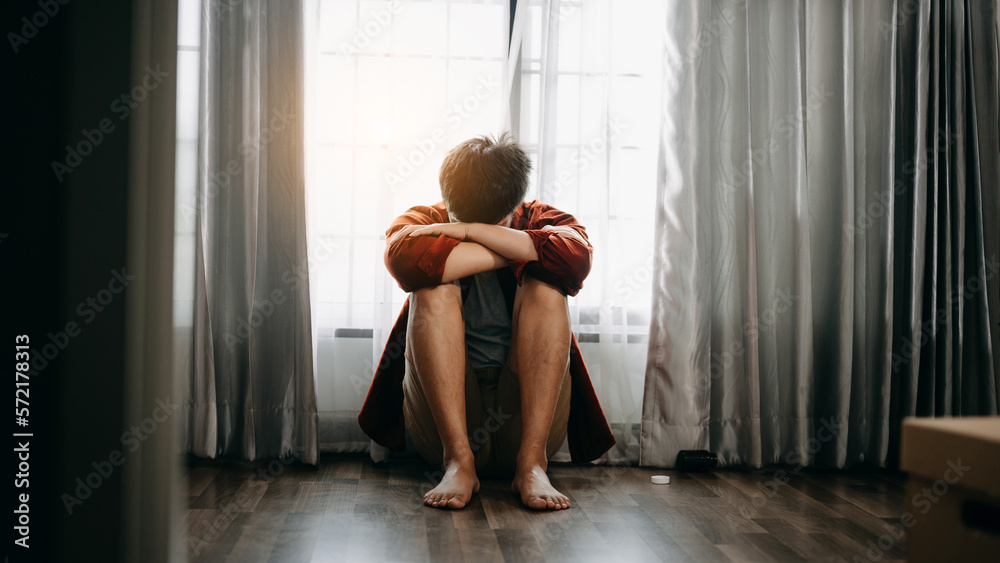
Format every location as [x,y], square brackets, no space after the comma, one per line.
[585,104]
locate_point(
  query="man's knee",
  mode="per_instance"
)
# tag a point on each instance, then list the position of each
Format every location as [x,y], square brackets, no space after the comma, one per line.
[439,301]
[537,294]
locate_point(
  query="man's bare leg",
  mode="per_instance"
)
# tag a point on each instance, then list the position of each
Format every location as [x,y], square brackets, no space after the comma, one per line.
[436,342]
[540,351]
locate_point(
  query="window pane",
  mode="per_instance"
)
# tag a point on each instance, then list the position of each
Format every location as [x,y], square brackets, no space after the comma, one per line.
[189,23]
[635,169]
[375,27]
[367,188]
[421,28]
[568,111]
[335,99]
[187,95]
[530,103]
[333,187]
[562,192]
[364,278]
[569,38]
[475,91]
[419,99]
[476,30]
[636,98]
[337,26]
[634,38]
[185,180]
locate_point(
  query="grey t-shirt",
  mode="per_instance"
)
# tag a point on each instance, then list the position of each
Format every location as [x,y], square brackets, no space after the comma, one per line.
[487,324]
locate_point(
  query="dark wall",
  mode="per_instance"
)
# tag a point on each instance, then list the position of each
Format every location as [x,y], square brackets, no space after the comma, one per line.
[62,238]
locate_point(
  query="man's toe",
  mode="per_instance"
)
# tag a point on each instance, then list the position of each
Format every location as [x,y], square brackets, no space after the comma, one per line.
[537,503]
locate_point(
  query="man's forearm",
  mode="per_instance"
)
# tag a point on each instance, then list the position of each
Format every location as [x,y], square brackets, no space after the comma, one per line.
[470,258]
[509,243]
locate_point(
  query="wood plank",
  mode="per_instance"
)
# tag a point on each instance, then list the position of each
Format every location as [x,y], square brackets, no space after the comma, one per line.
[607,479]
[281,495]
[480,544]
[770,546]
[221,490]
[801,543]
[407,538]
[831,542]
[871,498]
[333,538]
[627,542]
[349,468]
[369,541]
[504,512]
[518,545]
[198,478]
[313,497]
[866,530]
[297,539]
[260,533]
[219,548]
[745,552]
[692,541]
[444,543]
[595,505]
[653,535]
[472,516]
[564,534]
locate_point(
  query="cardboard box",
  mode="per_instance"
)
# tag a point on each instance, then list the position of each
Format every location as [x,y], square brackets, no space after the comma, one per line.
[953,501]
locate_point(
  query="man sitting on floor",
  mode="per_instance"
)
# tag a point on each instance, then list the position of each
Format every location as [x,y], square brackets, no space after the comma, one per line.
[491,380]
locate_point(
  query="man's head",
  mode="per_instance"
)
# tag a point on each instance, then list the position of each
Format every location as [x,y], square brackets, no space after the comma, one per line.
[483,180]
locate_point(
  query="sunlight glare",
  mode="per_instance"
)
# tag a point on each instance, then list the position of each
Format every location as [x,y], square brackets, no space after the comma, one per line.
[382,131]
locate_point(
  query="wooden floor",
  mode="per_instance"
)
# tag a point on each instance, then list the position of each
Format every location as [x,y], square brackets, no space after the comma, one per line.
[352,510]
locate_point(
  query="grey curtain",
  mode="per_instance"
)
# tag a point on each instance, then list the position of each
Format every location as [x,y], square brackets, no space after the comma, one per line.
[251,392]
[826,229]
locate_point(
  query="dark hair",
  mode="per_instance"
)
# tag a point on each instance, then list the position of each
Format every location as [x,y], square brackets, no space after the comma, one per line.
[483,180]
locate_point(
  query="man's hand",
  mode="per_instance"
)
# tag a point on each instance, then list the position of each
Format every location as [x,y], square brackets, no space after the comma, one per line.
[458,231]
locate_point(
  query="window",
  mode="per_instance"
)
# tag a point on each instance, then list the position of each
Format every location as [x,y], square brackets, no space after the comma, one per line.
[186,165]
[393,86]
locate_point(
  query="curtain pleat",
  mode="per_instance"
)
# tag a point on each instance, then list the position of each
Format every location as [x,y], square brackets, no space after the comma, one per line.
[826,236]
[251,390]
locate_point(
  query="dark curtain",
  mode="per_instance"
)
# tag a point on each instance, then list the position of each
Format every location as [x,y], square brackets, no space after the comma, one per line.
[945,341]
[251,392]
[826,229]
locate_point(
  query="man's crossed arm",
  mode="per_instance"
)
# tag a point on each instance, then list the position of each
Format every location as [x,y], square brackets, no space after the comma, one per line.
[484,247]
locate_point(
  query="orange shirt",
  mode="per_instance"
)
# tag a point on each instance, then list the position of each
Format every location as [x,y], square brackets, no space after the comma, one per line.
[418,262]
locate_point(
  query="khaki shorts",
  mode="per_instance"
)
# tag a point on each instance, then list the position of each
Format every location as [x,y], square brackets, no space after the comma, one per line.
[492,413]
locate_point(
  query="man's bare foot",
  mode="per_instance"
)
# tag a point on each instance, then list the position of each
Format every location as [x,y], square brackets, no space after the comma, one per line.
[536,491]
[456,487]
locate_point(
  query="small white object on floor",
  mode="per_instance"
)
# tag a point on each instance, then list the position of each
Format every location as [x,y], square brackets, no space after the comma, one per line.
[660,479]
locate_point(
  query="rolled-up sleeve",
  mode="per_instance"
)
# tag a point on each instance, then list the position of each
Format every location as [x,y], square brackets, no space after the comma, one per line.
[416,262]
[563,261]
